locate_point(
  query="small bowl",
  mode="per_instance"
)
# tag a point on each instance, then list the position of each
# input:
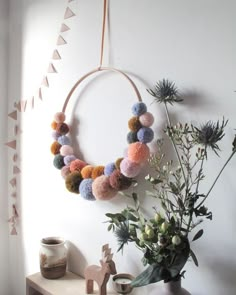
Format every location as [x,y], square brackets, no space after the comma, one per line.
[122,283]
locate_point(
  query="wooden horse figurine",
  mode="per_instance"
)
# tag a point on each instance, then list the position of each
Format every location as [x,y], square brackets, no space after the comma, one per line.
[100,274]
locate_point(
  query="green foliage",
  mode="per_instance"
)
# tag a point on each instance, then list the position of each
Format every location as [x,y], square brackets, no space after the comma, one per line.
[164,238]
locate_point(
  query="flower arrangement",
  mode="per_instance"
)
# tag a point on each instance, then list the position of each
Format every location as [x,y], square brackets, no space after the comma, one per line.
[103,182]
[164,238]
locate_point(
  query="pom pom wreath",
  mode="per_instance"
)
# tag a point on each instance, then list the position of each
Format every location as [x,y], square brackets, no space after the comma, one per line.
[118,181]
[97,171]
[86,172]
[117,163]
[58,161]
[68,159]
[63,140]
[145,134]
[109,168]
[77,165]
[55,135]
[65,171]
[73,181]
[66,150]
[62,128]
[54,125]
[134,124]
[146,119]
[139,108]
[129,168]
[138,152]
[132,137]
[85,189]
[55,148]
[59,117]
[102,189]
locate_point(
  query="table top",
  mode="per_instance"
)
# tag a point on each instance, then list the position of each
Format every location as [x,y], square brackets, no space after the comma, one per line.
[70,284]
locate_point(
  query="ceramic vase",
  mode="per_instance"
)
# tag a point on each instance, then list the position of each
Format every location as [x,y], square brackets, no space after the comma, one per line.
[53,257]
[170,288]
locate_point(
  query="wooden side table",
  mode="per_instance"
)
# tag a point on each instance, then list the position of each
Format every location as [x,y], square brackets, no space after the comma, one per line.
[70,284]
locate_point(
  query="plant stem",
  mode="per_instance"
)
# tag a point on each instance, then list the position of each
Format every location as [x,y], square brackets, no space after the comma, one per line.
[196,192]
[174,145]
[222,169]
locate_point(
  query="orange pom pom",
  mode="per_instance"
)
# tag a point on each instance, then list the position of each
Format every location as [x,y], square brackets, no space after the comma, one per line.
[138,152]
[86,172]
[54,125]
[55,148]
[97,171]
[134,124]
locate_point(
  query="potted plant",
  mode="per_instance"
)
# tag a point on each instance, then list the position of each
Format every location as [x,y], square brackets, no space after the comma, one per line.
[164,238]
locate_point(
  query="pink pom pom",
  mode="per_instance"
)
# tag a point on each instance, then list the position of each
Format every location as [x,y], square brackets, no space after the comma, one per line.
[138,152]
[59,117]
[146,119]
[77,165]
[129,168]
[65,171]
[102,189]
[66,150]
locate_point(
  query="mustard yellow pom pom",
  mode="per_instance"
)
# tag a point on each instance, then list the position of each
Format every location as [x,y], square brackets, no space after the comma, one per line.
[54,125]
[97,171]
[134,124]
[86,172]
[55,148]
[117,163]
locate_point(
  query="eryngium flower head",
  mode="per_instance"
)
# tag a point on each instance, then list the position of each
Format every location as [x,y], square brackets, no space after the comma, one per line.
[122,234]
[210,134]
[165,91]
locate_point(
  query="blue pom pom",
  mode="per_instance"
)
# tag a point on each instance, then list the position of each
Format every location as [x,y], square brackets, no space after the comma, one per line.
[145,134]
[132,137]
[139,108]
[58,161]
[63,140]
[85,189]
[109,168]
[68,159]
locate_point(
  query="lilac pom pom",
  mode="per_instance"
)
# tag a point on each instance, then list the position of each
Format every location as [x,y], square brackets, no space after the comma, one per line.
[68,159]
[109,168]
[63,140]
[145,134]
[65,171]
[55,135]
[85,189]
[146,119]
[129,169]
[139,108]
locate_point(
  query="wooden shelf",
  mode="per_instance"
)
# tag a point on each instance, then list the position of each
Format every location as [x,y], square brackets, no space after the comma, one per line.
[70,284]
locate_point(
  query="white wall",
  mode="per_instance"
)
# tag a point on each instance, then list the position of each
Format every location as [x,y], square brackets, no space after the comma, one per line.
[192,43]
[4,245]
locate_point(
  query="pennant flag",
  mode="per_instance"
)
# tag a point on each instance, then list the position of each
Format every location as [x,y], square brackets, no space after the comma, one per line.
[16,130]
[16,170]
[11,144]
[69,13]
[15,157]
[64,28]
[17,105]
[45,82]
[13,115]
[13,182]
[40,94]
[23,104]
[14,195]
[56,55]
[51,68]
[13,231]
[11,219]
[61,40]
[14,211]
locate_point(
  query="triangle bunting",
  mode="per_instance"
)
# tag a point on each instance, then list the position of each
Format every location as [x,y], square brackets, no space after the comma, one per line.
[64,28]
[69,13]
[13,231]
[61,40]
[51,68]
[45,81]
[16,170]
[40,94]
[17,105]
[56,55]
[13,115]
[13,182]
[11,144]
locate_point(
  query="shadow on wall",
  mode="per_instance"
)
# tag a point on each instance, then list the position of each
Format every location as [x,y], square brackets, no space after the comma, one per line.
[75,265]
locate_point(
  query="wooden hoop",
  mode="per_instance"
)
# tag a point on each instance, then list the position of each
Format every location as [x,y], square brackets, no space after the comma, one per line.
[95,71]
